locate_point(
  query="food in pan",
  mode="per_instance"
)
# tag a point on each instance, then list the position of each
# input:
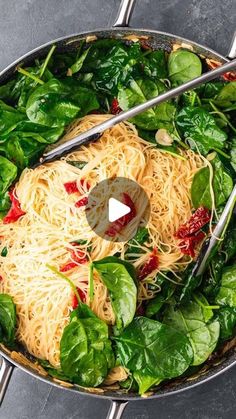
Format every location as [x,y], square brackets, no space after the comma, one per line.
[96,311]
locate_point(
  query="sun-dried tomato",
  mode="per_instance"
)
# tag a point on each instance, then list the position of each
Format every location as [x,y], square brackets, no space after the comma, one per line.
[188,244]
[150,266]
[71,187]
[197,220]
[119,224]
[81,202]
[230,76]
[115,108]
[15,212]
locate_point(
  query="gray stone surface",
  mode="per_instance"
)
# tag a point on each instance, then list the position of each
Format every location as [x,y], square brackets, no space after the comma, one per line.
[25,24]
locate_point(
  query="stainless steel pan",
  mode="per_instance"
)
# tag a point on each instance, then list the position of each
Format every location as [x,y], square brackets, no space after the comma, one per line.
[226,356]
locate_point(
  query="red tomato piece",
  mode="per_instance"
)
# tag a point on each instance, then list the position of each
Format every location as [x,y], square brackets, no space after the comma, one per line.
[15,212]
[71,187]
[81,202]
[197,220]
[149,266]
[188,245]
[115,108]
[118,225]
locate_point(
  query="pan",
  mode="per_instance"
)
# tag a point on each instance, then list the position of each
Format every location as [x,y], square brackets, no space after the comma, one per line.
[226,356]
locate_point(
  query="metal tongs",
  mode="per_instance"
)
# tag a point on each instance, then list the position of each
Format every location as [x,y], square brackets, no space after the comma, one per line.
[94,133]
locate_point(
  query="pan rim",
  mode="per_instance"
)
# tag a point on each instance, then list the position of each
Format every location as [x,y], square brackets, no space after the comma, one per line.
[102,30]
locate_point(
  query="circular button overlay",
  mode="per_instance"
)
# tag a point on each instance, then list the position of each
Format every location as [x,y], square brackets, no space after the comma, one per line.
[116,208]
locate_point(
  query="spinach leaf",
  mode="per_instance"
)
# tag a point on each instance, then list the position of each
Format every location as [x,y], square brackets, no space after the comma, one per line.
[210,90]
[152,349]
[140,237]
[145,381]
[200,129]
[38,132]
[86,354]
[5,204]
[23,149]
[118,276]
[227,95]
[79,164]
[8,173]
[7,319]
[53,372]
[7,92]
[139,91]
[82,96]
[9,118]
[79,62]
[116,68]
[226,316]
[50,105]
[183,65]
[154,65]
[200,188]
[227,292]
[191,319]
[155,305]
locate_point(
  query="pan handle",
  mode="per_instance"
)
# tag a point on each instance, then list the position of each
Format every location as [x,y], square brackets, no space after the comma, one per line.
[232,51]
[5,375]
[116,409]
[124,13]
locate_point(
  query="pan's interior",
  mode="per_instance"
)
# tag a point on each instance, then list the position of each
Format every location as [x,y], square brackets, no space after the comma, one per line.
[225,357]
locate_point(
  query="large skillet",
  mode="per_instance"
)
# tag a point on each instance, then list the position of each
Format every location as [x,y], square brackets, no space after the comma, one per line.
[226,358]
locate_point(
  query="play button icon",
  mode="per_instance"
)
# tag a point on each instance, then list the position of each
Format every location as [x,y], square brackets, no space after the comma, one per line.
[116,208]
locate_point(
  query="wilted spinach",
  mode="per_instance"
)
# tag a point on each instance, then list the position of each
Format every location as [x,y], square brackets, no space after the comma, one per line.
[226,251]
[155,65]
[226,316]
[116,68]
[227,95]
[7,319]
[85,349]
[183,65]
[51,105]
[118,276]
[9,118]
[193,320]
[199,128]
[227,292]
[8,173]
[139,91]
[150,348]
[222,185]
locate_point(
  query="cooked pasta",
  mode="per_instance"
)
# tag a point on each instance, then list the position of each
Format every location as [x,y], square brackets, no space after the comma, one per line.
[47,233]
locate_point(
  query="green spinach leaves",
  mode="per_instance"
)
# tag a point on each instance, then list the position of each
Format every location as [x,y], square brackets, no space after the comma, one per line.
[199,128]
[193,320]
[201,187]
[139,91]
[118,276]
[86,354]
[153,351]
[183,65]
[7,319]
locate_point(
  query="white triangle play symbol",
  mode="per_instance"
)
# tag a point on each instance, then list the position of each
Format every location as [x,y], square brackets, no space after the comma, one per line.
[116,209]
